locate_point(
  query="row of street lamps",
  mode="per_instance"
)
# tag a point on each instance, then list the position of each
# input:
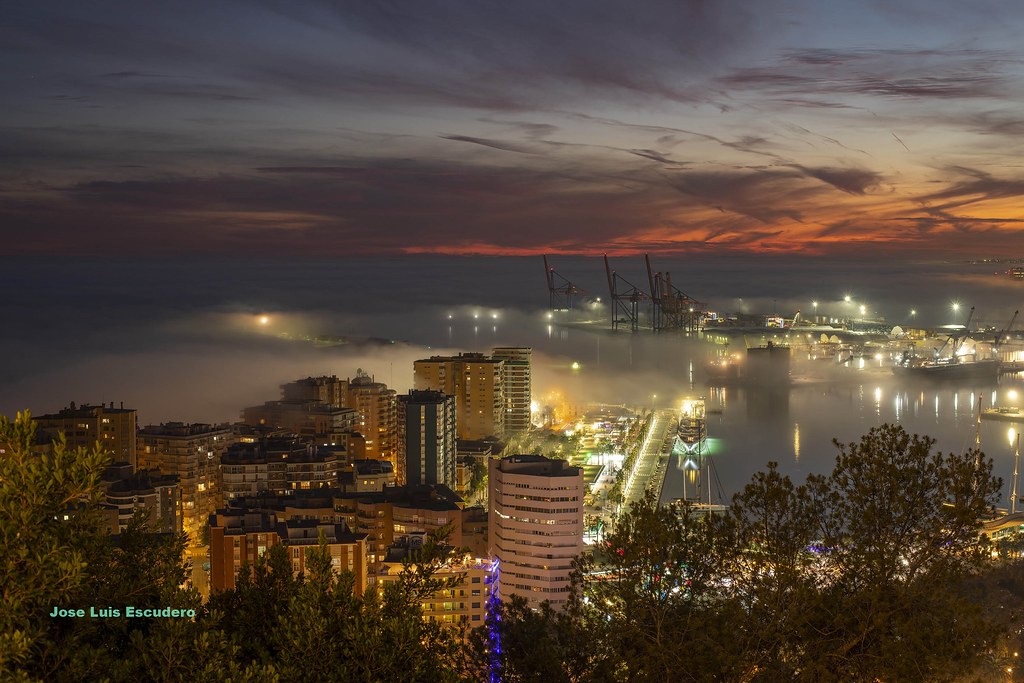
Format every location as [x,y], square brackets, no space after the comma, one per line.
[955,306]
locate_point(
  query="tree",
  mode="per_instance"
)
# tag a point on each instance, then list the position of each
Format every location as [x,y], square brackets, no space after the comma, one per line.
[540,646]
[857,575]
[656,600]
[775,576]
[901,524]
[330,634]
[59,554]
[48,517]
[252,613]
[478,476]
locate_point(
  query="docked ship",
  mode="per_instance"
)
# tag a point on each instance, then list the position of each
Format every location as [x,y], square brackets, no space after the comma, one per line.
[692,431]
[723,369]
[955,367]
[986,369]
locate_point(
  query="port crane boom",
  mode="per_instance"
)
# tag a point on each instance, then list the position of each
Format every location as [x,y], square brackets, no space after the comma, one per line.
[1006,332]
[960,338]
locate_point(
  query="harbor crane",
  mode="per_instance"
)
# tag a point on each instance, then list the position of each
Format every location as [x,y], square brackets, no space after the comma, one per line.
[561,291]
[1005,333]
[671,308]
[625,299]
[957,339]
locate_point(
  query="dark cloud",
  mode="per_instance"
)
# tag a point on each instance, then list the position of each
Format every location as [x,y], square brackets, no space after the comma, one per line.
[493,144]
[975,186]
[850,180]
[765,196]
[913,74]
[401,205]
[327,127]
[528,129]
[133,74]
[656,156]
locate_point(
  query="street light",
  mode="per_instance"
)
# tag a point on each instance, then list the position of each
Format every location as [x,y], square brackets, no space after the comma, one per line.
[956,306]
[846,298]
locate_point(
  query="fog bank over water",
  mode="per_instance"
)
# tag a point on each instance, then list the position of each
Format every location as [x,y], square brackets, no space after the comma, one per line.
[186,341]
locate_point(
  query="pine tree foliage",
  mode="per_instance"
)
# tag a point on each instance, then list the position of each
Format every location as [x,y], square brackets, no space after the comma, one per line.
[48,519]
[874,572]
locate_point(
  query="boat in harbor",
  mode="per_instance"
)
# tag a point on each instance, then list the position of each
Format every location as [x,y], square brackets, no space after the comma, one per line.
[955,367]
[950,369]
[691,433]
[723,369]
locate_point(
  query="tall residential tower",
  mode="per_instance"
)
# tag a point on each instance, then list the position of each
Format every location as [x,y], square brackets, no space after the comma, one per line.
[477,383]
[426,423]
[517,386]
[535,525]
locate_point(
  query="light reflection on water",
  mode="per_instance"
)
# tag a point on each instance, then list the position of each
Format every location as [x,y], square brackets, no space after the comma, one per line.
[795,428]
[161,338]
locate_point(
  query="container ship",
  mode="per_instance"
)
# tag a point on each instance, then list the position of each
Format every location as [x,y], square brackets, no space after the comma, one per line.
[985,370]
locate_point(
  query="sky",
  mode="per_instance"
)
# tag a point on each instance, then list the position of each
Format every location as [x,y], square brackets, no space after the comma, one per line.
[315,128]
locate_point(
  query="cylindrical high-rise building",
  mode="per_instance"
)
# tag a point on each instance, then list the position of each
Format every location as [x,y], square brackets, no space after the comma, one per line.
[535,526]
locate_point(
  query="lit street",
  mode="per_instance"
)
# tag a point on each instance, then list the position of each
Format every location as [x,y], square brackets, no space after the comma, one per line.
[647,471]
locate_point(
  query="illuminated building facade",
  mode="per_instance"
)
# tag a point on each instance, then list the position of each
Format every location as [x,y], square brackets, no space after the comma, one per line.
[477,383]
[324,389]
[310,419]
[240,536]
[85,425]
[401,511]
[381,516]
[517,385]
[158,494]
[276,465]
[377,407]
[366,476]
[427,443]
[463,606]
[535,525]
[193,453]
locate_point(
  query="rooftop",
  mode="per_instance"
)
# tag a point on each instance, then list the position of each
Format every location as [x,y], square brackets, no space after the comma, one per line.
[538,465]
[86,410]
[183,429]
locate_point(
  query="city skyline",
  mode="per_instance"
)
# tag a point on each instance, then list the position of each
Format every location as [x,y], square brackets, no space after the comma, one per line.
[264,128]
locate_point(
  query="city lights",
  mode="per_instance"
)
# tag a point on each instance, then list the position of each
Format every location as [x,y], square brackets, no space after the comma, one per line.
[349,491]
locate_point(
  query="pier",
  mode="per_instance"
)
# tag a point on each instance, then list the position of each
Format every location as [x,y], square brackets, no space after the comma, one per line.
[652,463]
